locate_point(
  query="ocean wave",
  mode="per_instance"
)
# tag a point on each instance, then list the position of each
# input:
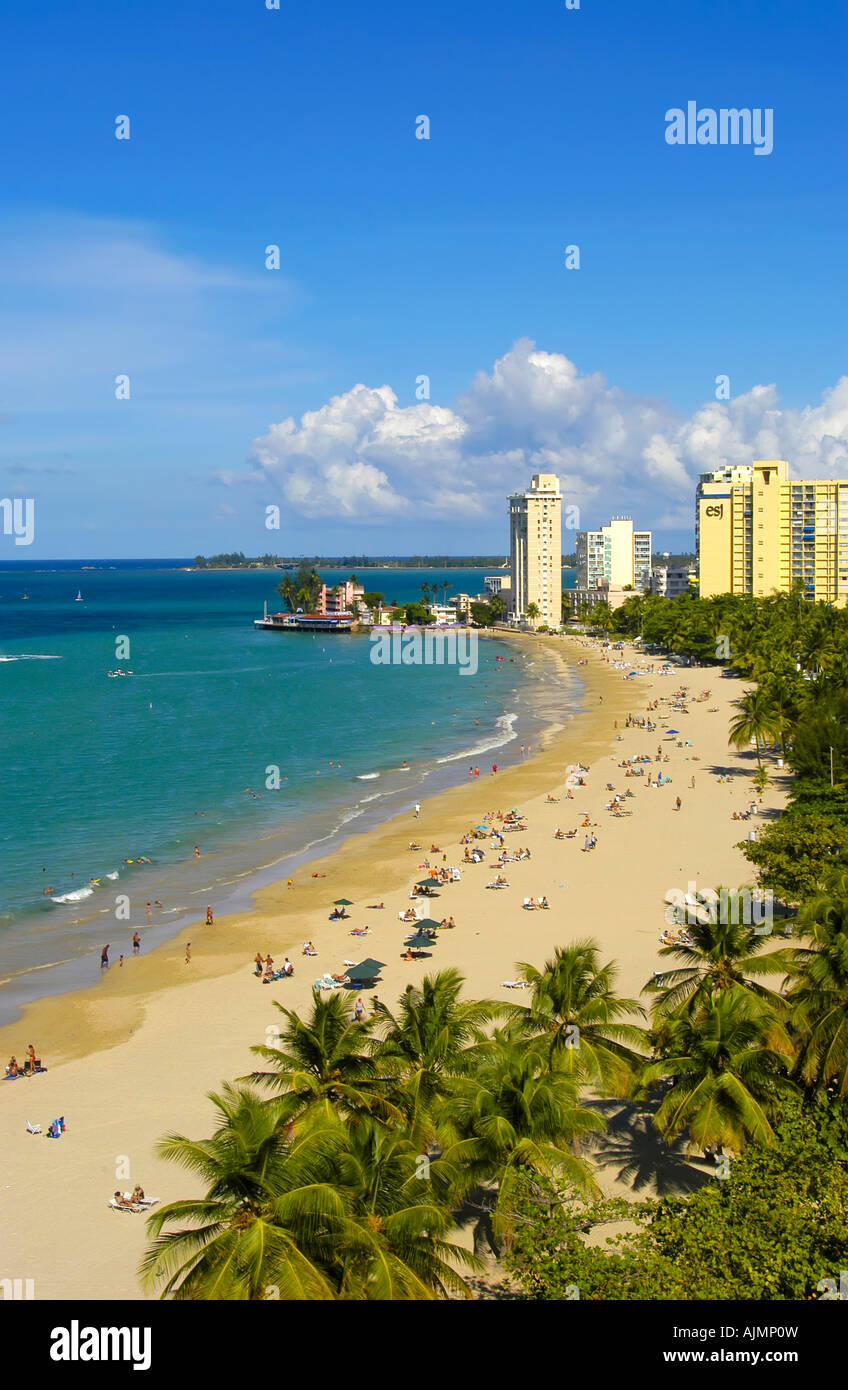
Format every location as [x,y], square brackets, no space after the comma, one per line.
[506,733]
[76,897]
[33,657]
[367,776]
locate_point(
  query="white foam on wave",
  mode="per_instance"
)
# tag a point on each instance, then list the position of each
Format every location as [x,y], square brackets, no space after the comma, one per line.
[33,657]
[76,897]
[112,876]
[505,734]
[367,776]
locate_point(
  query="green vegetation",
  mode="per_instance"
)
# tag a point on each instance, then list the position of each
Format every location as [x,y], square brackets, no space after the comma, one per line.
[773,1228]
[337,1168]
[300,590]
[238,560]
[336,1171]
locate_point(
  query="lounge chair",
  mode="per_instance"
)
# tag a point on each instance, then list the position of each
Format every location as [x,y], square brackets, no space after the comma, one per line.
[119,1206]
[513,984]
[495,884]
[32,1129]
[530,904]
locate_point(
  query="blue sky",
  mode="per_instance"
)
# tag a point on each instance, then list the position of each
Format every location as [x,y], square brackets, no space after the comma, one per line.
[402,257]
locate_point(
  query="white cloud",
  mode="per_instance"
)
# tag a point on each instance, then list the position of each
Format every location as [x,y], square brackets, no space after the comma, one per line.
[361,455]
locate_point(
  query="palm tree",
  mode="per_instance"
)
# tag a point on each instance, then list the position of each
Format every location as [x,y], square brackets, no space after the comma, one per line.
[754,721]
[761,779]
[270,1215]
[325,1060]
[818,995]
[517,1113]
[532,612]
[726,1080]
[398,1199]
[425,592]
[722,956]
[425,1042]
[576,1009]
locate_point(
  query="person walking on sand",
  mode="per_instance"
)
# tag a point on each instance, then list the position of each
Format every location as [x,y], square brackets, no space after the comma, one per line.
[678,803]
[210,916]
[359,1010]
[136,943]
[691,783]
[417,809]
[188,953]
[104,958]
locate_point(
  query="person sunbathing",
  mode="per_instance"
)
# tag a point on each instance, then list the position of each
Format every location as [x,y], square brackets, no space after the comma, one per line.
[375,907]
[308,949]
[12,1068]
[138,1193]
[123,1201]
[559,834]
[543,902]
[407,955]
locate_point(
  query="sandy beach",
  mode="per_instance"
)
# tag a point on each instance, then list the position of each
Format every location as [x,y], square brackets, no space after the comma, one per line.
[135,1055]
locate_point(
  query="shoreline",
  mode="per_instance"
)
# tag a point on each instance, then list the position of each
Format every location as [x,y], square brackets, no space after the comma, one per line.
[268,897]
[236,882]
[135,1055]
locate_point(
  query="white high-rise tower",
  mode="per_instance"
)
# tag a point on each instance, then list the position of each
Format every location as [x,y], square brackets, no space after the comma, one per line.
[535,550]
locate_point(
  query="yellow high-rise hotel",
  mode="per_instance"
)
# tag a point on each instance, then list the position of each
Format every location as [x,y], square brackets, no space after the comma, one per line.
[758,531]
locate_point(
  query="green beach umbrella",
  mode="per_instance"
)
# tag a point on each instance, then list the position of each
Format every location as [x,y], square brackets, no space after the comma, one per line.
[367,969]
[418,940]
[426,882]
[342,902]
[427,925]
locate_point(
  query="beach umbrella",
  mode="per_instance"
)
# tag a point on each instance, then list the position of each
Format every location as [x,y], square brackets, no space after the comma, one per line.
[428,924]
[425,882]
[367,969]
[419,940]
[672,731]
[482,827]
[342,902]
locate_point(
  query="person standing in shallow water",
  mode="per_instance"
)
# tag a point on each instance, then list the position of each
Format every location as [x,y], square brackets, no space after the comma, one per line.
[136,943]
[104,957]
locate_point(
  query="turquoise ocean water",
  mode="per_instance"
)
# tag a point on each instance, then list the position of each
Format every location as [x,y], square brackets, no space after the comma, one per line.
[98,771]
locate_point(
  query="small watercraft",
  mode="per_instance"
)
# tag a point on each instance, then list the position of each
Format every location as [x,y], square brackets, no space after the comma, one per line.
[78,598]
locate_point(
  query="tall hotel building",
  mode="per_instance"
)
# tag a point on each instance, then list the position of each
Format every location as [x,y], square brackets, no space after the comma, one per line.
[616,556]
[535,549]
[758,531]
